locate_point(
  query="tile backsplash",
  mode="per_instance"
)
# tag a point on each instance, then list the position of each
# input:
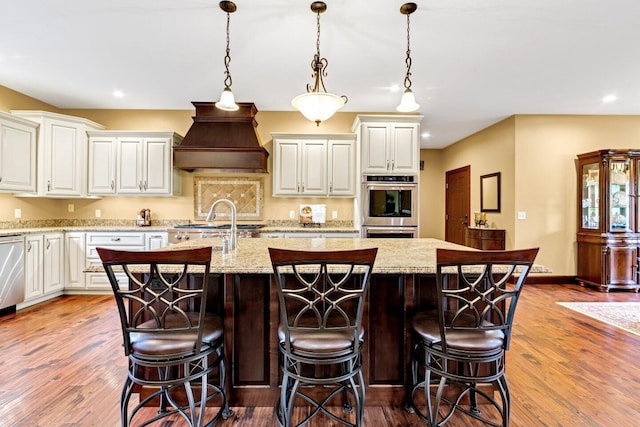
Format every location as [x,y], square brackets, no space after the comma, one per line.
[246,193]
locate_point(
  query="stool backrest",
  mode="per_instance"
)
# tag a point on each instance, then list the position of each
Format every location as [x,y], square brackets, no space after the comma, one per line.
[322,291]
[154,293]
[479,290]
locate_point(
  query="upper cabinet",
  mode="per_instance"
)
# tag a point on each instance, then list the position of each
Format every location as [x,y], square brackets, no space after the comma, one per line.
[133,163]
[17,153]
[62,153]
[389,144]
[316,165]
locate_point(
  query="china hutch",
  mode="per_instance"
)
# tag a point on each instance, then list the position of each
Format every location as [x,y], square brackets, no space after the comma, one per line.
[608,236]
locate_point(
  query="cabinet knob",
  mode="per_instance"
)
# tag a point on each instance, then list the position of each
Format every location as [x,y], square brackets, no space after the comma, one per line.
[145,185]
[48,185]
[115,239]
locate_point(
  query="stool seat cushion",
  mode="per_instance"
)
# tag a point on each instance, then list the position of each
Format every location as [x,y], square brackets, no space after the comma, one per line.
[175,344]
[320,341]
[426,327]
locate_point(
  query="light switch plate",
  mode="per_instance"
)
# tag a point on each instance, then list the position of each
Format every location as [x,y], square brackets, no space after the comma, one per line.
[522,215]
[292,214]
[334,214]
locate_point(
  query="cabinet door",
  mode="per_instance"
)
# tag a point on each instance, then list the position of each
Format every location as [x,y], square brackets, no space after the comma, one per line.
[405,150]
[286,169]
[156,241]
[64,154]
[17,157]
[53,262]
[341,168]
[102,165]
[314,168]
[129,179]
[157,166]
[75,260]
[622,269]
[375,148]
[33,267]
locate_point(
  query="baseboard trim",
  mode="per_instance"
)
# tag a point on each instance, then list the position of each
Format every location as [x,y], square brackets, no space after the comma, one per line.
[546,279]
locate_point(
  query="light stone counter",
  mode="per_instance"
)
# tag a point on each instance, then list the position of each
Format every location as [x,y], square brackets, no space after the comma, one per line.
[395,256]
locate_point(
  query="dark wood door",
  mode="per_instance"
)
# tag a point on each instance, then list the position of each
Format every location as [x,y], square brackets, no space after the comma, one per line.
[457,202]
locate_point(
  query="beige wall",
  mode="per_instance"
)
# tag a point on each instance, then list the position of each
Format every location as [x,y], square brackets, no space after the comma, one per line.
[488,151]
[162,207]
[536,155]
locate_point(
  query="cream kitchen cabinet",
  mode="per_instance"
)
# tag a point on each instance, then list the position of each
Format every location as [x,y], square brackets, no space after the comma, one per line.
[75,260]
[316,165]
[121,240]
[390,145]
[133,163]
[44,267]
[17,154]
[61,153]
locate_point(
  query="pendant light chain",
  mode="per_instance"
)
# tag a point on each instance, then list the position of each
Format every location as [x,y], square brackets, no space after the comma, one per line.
[227,57]
[407,78]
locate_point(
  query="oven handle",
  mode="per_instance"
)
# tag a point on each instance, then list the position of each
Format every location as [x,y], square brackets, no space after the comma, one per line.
[392,230]
[391,186]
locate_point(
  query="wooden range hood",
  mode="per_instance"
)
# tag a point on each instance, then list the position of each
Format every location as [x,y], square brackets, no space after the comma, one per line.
[222,140]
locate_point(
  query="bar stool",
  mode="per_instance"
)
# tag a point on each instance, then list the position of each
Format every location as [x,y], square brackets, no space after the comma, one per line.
[173,345]
[459,349]
[320,335]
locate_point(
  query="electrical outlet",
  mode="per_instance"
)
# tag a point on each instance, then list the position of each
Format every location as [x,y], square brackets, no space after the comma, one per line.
[17,213]
[292,214]
[334,214]
[71,207]
[98,213]
[522,215]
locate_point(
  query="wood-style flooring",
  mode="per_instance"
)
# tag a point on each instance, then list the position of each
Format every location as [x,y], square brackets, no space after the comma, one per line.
[62,364]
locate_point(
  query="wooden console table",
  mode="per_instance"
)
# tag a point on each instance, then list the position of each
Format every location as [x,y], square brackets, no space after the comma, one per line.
[485,238]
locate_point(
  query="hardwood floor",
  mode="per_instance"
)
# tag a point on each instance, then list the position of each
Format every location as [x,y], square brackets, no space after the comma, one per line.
[62,364]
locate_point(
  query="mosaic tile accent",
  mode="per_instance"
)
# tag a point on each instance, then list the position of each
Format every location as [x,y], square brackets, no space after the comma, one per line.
[56,223]
[246,193]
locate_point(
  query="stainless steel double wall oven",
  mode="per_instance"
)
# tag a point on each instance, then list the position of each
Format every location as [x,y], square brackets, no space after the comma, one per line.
[390,206]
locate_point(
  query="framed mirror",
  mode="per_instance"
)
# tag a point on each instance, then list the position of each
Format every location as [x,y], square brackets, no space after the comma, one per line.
[490,192]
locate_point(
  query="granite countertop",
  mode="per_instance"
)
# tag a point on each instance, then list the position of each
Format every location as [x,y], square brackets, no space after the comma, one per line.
[161,228]
[395,256]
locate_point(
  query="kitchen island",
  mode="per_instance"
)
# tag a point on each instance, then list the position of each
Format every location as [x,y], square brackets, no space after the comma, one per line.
[243,291]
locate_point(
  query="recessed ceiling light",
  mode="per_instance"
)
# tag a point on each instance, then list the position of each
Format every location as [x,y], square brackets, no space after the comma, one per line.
[118,93]
[426,135]
[610,98]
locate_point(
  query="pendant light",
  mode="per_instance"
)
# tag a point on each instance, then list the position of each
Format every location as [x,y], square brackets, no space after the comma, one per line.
[317,105]
[227,100]
[408,101]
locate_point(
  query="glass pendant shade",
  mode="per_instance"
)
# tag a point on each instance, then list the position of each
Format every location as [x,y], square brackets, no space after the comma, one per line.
[317,106]
[407,102]
[227,101]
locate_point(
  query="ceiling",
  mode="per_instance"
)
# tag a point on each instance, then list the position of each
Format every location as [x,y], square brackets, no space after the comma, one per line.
[475,62]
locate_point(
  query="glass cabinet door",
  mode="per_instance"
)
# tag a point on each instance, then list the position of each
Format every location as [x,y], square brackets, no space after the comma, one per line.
[619,213]
[590,196]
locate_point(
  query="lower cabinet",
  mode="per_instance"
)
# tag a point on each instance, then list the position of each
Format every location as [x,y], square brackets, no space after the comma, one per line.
[122,240]
[608,261]
[44,267]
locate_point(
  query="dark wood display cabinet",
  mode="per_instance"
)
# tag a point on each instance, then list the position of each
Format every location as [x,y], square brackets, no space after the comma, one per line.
[608,210]
[484,238]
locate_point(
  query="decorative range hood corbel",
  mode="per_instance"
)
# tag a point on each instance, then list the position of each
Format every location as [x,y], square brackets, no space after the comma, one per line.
[222,140]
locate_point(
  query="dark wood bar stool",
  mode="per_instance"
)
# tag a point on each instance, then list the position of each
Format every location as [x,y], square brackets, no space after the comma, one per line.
[320,335]
[172,344]
[458,350]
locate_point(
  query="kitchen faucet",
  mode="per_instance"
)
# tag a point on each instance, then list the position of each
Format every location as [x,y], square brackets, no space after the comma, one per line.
[234,229]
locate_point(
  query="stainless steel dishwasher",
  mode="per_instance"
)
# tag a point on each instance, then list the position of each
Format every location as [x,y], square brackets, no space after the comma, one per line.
[11,271]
